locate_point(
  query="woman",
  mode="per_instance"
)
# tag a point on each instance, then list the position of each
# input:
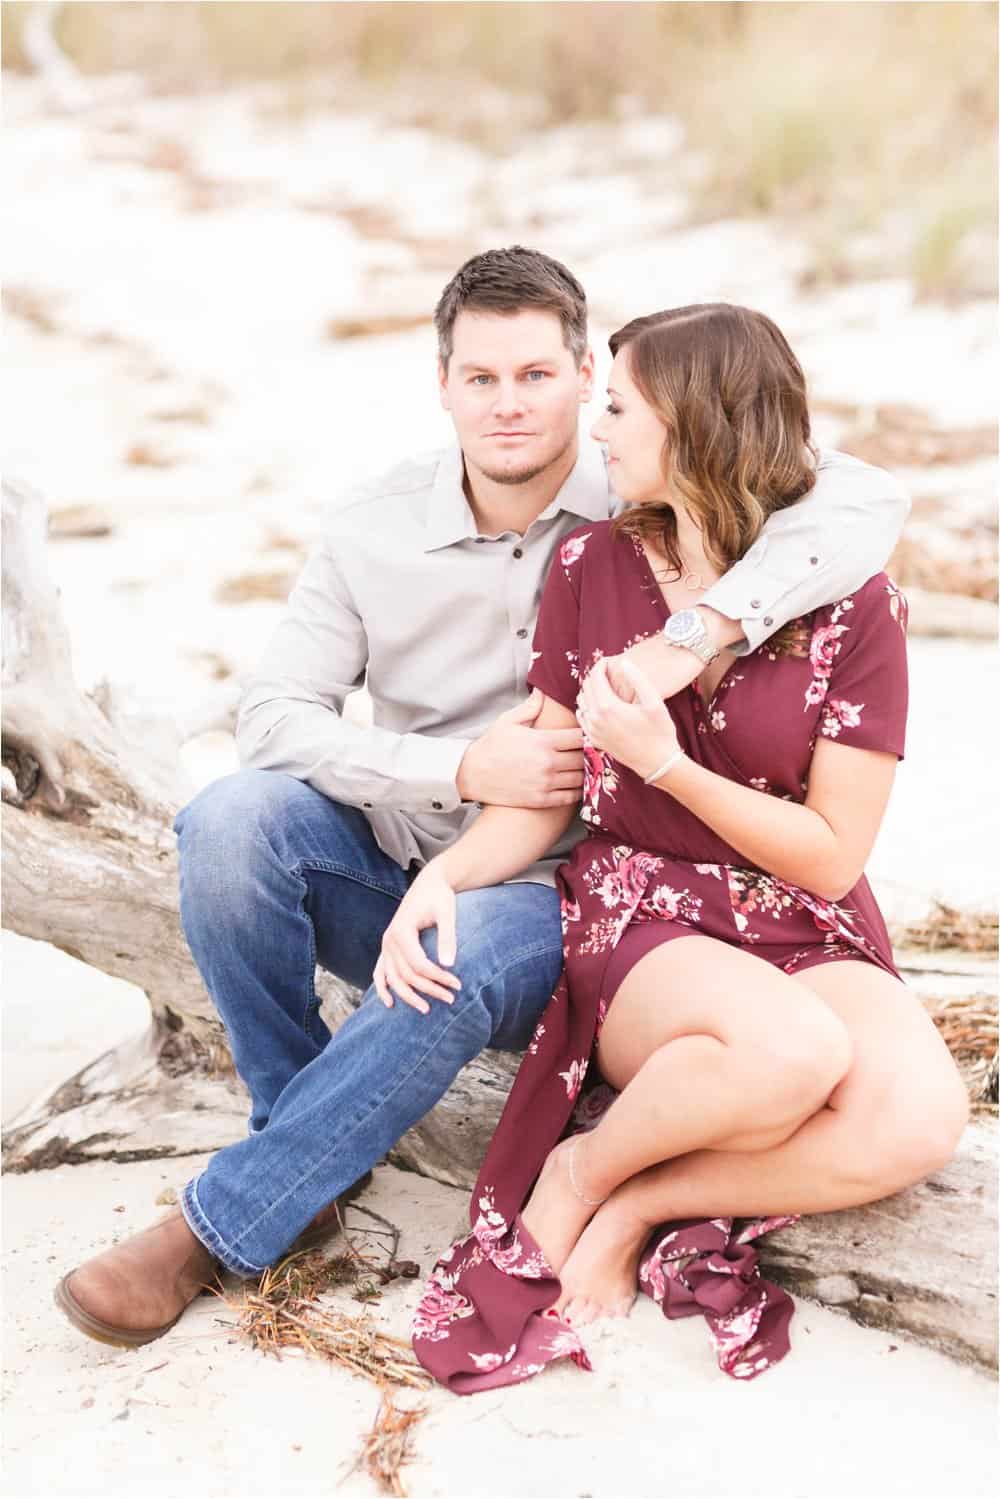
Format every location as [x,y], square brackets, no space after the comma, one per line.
[748,1067]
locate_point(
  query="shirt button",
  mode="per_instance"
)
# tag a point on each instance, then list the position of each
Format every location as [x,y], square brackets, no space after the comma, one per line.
[755,603]
[768,620]
[813,561]
[438,807]
[367,806]
[518,552]
[521,634]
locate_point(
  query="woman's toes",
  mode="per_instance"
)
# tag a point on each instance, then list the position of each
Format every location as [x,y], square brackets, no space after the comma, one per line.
[579,1311]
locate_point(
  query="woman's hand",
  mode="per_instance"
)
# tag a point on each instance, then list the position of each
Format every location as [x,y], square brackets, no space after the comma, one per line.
[403,967]
[640,733]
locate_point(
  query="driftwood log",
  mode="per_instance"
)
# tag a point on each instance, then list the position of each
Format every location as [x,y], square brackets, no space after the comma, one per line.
[89,865]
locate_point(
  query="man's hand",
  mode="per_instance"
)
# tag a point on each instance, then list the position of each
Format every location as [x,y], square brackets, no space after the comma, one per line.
[515,765]
[639,733]
[403,967]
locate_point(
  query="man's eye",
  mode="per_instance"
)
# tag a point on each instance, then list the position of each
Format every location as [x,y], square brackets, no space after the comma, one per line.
[481,379]
[537,374]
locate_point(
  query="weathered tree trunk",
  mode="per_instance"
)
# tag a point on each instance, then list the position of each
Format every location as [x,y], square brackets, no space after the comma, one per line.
[89,865]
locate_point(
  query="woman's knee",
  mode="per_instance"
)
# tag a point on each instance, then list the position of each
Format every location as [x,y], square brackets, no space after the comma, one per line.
[807,1057]
[921,1124]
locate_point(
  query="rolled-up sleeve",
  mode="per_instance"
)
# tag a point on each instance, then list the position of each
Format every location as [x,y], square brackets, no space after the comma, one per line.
[291,715]
[823,548]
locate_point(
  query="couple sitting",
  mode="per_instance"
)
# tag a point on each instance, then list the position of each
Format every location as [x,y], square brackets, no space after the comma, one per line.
[719,678]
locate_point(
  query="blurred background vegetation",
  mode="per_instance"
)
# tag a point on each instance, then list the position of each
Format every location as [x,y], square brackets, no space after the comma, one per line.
[872,125]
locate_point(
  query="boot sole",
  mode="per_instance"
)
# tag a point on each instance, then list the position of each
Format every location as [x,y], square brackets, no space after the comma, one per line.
[105,1332]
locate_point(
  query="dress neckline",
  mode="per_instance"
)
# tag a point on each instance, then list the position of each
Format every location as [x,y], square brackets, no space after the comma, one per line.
[695,686]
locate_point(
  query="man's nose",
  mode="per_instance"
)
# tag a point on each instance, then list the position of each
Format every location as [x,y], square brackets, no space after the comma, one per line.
[508,399]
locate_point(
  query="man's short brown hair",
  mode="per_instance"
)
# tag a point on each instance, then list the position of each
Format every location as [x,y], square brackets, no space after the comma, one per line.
[508,281]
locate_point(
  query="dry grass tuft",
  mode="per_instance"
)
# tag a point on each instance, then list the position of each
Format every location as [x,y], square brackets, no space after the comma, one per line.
[387,1447]
[968,1025]
[376,325]
[145,455]
[284,1312]
[28,305]
[253,588]
[944,926]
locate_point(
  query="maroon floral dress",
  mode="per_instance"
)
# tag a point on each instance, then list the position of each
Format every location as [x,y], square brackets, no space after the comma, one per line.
[651,872]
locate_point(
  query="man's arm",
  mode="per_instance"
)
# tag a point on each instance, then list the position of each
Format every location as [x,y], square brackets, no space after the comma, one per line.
[291,719]
[291,715]
[820,549]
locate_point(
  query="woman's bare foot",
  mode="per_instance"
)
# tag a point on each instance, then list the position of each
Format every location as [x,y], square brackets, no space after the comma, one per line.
[599,1276]
[555,1215]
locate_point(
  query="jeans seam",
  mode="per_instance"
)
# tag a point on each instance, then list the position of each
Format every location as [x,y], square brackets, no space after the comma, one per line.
[324,866]
[332,866]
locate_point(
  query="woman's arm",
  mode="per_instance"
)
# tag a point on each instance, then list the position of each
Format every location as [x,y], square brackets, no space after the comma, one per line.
[821,844]
[501,843]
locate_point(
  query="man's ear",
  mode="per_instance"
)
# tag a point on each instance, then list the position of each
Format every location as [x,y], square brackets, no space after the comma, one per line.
[586,377]
[443,385]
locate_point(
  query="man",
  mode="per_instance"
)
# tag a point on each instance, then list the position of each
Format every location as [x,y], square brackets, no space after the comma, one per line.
[426,586]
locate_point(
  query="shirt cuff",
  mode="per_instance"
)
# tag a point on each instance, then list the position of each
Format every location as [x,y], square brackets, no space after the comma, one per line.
[431,770]
[730,596]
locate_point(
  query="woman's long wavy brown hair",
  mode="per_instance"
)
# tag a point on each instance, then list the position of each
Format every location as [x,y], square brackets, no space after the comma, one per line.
[737,447]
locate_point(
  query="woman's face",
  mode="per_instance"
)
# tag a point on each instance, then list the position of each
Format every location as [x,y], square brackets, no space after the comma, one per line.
[634,437]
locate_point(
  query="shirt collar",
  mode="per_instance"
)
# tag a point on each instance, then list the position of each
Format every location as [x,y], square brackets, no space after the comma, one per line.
[450,519]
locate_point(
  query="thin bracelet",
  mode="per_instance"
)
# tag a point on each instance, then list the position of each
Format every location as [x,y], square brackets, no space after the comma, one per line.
[668,764]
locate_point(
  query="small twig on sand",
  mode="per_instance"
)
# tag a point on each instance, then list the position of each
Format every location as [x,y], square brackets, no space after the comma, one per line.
[393,1269]
[387,1447]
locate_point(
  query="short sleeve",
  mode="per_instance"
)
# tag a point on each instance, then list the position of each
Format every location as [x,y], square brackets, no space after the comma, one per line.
[867,692]
[555,656]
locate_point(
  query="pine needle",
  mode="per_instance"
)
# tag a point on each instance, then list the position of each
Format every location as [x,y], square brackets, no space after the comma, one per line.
[388,1446]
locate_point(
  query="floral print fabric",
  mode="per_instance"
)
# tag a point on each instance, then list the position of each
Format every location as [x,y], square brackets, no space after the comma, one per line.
[650,866]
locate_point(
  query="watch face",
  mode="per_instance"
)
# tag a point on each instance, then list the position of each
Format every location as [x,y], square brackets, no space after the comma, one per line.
[683,624]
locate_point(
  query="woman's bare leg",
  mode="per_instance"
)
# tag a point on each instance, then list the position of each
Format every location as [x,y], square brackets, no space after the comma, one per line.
[896,1116]
[707,1045]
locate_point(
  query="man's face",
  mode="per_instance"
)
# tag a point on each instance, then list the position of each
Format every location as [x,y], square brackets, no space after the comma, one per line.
[514,392]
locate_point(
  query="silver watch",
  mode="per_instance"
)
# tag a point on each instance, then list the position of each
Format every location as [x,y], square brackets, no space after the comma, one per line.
[685,628]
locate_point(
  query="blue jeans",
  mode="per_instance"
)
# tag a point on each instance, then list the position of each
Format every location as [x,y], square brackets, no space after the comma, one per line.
[276,877]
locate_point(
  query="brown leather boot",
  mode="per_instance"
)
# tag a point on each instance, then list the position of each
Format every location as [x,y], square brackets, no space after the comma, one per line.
[135,1292]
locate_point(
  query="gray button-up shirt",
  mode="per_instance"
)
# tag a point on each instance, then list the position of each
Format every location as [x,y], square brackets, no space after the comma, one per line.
[403,595]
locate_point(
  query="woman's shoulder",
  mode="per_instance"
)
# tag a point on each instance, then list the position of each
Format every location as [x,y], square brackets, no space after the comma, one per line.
[878,601]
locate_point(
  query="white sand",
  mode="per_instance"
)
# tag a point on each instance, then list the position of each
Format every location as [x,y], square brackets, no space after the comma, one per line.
[850,1411]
